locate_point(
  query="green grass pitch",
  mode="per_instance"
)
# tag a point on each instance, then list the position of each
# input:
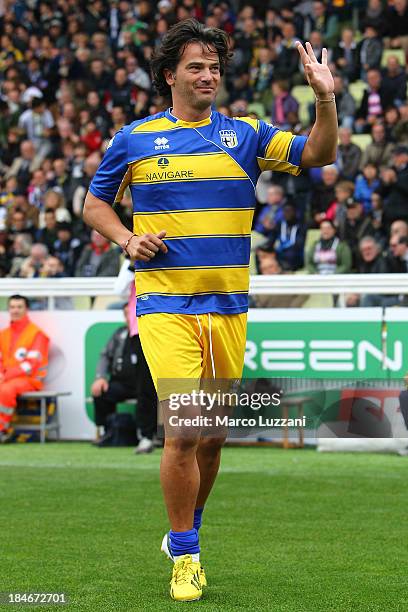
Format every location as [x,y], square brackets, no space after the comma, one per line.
[286,531]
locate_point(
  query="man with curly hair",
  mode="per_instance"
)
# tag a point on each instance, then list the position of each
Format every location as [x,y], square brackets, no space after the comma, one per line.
[192,174]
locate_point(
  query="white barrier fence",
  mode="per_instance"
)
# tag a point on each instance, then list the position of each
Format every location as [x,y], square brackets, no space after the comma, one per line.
[293,284]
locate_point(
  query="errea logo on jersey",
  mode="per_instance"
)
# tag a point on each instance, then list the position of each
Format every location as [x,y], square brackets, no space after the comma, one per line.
[229,138]
[161,144]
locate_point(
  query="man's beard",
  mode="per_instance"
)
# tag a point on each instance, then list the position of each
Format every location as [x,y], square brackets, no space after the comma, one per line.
[198,103]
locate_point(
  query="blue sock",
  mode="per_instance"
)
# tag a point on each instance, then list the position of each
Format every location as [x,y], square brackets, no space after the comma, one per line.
[198,514]
[184,542]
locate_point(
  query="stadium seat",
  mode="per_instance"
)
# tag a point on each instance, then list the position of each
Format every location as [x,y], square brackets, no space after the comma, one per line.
[311,236]
[305,96]
[357,90]
[362,140]
[81,302]
[103,301]
[400,53]
[319,300]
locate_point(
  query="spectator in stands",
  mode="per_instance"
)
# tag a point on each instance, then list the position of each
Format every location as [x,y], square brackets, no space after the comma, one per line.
[354,227]
[37,124]
[272,212]
[267,260]
[37,189]
[61,178]
[24,165]
[269,264]
[239,108]
[399,228]
[374,15]
[287,61]
[373,103]
[372,262]
[8,120]
[366,184]
[401,129]
[54,200]
[325,23]
[398,256]
[288,238]
[394,80]
[23,361]
[336,212]
[98,258]
[379,152]
[30,268]
[345,56]
[283,104]
[90,166]
[348,155]
[323,194]
[48,234]
[136,74]
[4,258]
[67,248]
[18,252]
[391,118]
[394,187]
[369,51]
[328,255]
[18,223]
[261,73]
[122,373]
[99,78]
[397,25]
[377,216]
[345,104]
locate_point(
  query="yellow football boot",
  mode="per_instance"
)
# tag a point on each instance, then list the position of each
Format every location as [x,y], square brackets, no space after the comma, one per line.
[165,547]
[185,584]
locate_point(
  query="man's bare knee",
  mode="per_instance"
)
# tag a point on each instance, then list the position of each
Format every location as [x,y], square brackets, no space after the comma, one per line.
[182,444]
[212,444]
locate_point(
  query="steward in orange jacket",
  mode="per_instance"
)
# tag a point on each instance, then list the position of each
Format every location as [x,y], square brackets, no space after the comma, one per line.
[23,359]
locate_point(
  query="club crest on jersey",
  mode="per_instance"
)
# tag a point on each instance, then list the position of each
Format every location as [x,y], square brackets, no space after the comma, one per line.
[229,138]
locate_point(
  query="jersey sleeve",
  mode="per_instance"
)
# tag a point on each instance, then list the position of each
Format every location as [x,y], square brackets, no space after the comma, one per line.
[277,150]
[113,174]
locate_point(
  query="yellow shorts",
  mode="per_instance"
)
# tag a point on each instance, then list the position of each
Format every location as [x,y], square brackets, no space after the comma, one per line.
[204,346]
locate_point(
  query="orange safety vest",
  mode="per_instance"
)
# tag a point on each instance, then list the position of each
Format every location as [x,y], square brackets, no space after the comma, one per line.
[14,355]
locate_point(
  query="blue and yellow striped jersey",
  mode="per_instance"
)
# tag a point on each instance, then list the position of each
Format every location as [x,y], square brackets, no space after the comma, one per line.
[196,181]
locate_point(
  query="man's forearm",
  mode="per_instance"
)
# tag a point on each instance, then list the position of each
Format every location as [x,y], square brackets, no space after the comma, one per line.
[321,146]
[100,215]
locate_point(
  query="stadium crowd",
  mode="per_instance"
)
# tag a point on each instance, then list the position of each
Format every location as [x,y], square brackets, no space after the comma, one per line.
[71,74]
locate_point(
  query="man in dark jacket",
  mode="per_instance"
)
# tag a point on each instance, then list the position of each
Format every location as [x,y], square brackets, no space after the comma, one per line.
[67,248]
[354,227]
[395,187]
[288,238]
[394,80]
[373,103]
[348,155]
[373,262]
[98,258]
[122,373]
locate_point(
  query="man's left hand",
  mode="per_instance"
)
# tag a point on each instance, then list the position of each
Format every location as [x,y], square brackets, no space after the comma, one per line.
[318,75]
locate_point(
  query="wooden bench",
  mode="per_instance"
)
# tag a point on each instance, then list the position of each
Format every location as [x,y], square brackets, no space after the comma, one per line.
[43,427]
